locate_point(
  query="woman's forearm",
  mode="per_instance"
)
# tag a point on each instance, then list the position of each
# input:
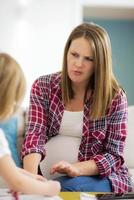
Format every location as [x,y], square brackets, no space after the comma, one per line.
[31,162]
[87,168]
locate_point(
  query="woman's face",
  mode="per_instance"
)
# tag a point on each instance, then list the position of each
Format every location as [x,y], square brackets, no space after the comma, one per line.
[80,61]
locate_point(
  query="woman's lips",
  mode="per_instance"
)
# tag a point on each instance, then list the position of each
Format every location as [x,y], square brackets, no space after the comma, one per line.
[77,73]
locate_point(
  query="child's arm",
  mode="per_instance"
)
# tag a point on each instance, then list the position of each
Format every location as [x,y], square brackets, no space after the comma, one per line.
[35,176]
[21,182]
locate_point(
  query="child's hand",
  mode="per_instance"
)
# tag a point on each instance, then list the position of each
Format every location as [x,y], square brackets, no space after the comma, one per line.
[64,167]
[54,186]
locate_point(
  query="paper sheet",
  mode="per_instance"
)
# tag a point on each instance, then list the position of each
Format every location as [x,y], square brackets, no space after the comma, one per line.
[5,195]
[85,196]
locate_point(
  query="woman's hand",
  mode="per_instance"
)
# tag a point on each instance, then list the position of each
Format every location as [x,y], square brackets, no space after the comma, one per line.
[64,167]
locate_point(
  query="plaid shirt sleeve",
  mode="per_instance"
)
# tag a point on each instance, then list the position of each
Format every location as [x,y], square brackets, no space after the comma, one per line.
[36,127]
[112,157]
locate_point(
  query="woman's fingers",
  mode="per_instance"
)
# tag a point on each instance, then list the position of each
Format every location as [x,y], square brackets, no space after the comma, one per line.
[60,167]
[64,167]
[53,168]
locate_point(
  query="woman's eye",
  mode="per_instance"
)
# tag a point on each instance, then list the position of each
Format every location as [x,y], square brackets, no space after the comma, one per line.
[75,55]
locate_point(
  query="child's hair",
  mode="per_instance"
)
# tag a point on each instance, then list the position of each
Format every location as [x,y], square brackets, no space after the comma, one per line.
[12,85]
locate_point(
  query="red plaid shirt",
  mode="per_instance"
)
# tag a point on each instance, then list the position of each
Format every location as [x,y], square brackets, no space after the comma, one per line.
[102,140]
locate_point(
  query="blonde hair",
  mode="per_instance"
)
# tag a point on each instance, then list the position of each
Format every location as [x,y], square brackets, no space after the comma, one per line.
[12,85]
[103,83]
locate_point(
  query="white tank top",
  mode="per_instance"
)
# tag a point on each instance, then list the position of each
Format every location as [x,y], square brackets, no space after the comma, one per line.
[71,124]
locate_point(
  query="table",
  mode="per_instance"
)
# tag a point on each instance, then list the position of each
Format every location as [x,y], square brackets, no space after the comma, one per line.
[76,195]
[63,195]
[70,195]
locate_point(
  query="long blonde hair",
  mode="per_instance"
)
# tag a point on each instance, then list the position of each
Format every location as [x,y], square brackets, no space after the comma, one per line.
[12,85]
[103,83]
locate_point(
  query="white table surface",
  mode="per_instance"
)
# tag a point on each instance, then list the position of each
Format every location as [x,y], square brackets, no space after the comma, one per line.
[5,195]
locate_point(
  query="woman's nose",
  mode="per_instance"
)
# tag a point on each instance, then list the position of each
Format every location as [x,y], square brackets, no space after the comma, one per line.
[79,62]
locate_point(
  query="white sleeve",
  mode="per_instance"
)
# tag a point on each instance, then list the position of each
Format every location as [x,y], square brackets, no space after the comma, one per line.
[4,148]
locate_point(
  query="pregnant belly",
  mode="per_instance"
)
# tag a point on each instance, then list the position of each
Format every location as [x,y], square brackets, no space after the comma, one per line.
[59,148]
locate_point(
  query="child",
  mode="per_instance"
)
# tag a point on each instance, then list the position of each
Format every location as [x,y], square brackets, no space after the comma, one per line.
[12,89]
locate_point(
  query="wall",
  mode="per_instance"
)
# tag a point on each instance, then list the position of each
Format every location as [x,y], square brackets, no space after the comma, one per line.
[122,38]
[34,32]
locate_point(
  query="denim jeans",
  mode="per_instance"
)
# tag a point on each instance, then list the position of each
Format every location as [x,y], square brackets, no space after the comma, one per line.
[85,184]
